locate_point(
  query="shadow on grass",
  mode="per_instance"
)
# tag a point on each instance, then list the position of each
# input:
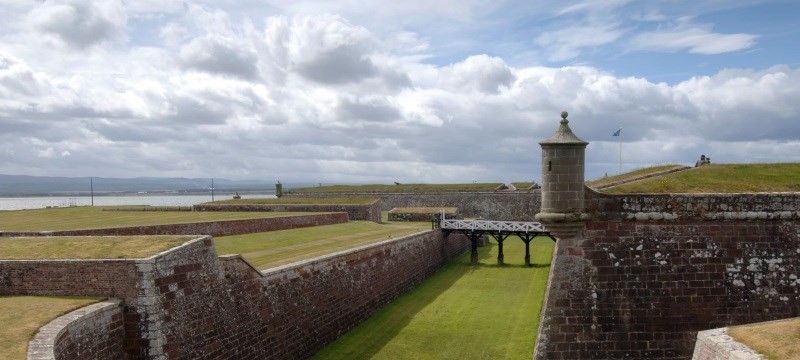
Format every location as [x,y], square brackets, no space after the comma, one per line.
[369,338]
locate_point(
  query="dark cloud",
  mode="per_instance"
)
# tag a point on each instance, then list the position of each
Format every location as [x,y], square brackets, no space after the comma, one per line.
[220,55]
[77,23]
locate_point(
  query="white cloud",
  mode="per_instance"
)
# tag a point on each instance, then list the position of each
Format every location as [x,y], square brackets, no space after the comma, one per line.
[696,40]
[567,43]
[79,24]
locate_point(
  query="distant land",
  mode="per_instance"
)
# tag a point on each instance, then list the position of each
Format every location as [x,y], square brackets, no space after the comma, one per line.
[25,185]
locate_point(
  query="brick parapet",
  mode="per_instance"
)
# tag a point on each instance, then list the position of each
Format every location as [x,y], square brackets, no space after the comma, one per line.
[716,344]
[631,289]
[517,205]
[214,228]
[709,207]
[367,212]
[93,332]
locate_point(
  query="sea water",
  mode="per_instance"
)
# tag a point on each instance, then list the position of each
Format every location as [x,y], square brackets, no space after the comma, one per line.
[21,203]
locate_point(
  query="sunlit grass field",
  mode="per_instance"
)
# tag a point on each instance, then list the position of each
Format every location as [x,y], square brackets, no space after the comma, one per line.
[720,178]
[461,312]
[93,217]
[298,201]
[86,247]
[22,316]
[274,248]
[631,175]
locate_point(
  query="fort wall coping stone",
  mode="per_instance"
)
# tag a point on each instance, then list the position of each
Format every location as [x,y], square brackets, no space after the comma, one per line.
[716,344]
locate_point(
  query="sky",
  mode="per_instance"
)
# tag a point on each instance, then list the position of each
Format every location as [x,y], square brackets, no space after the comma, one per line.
[371,91]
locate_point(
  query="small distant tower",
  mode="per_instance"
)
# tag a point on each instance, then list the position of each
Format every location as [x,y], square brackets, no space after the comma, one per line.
[562,181]
[279,189]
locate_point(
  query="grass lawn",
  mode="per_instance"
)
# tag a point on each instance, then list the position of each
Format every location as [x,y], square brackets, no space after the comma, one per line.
[773,339]
[274,248]
[22,316]
[720,178]
[82,247]
[93,217]
[461,312]
[631,175]
[298,201]
[424,210]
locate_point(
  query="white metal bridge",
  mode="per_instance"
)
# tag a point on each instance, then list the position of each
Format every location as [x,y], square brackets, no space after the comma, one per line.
[499,230]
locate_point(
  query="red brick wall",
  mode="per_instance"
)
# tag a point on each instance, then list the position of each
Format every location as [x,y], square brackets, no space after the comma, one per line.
[633,287]
[93,332]
[188,303]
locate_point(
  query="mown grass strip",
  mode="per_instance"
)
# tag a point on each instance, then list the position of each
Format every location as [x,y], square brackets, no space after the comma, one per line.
[22,316]
[275,248]
[773,339]
[88,217]
[721,178]
[83,247]
[399,188]
[461,312]
[297,201]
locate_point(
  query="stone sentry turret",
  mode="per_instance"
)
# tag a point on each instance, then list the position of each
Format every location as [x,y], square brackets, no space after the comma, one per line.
[563,158]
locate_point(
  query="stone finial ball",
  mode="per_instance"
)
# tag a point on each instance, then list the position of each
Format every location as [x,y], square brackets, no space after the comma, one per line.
[564,114]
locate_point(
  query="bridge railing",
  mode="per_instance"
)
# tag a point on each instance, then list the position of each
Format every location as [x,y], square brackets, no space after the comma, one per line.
[489,225]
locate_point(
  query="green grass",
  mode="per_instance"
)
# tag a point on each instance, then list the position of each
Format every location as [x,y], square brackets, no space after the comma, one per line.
[299,201]
[399,188]
[461,312]
[87,217]
[776,340]
[86,247]
[424,210]
[631,175]
[721,178]
[275,248]
[22,316]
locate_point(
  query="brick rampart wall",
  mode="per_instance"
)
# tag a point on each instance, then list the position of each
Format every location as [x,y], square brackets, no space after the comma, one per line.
[494,205]
[638,284]
[370,212]
[214,228]
[189,303]
[93,332]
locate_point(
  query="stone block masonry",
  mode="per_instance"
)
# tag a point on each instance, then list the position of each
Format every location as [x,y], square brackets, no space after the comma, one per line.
[369,212]
[493,205]
[188,303]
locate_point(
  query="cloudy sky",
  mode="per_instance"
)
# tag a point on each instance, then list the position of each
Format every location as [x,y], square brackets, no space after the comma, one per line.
[379,91]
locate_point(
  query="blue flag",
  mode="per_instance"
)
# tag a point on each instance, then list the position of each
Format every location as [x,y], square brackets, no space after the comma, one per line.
[616,133]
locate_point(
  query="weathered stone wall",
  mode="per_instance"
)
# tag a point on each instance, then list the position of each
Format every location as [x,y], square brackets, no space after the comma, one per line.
[214,228]
[715,344]
[370,212]
[518,205]
[187,303]
[92,332]
[648,272]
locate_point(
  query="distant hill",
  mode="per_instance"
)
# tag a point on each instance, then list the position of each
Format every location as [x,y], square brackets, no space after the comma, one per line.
[24,185]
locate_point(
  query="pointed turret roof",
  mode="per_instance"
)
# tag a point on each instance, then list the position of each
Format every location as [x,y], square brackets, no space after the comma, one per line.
[564,135]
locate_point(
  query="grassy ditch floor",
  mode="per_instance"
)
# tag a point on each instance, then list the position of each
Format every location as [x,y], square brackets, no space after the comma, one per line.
[22,316]
[461,312]
[93,217]
[773,339]
[720,178]
[275,248]
[86,247]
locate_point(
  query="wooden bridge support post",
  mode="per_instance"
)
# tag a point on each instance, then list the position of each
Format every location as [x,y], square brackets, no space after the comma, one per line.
[500,238]
[473,239]
[526,238]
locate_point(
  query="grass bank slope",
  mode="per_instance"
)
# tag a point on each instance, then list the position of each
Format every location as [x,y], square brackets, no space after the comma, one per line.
[720,178]
[275,248]
[22,316]
[773,339]
[86,247]
[91,217]
[633,175]
[398,188]
[461,312]
[297,201]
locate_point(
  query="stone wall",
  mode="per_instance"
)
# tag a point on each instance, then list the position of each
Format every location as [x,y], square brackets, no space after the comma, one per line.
[189,303]
[369,212]
[715,344]
[92,332]
[518,205]
[214,228]
[648,272]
